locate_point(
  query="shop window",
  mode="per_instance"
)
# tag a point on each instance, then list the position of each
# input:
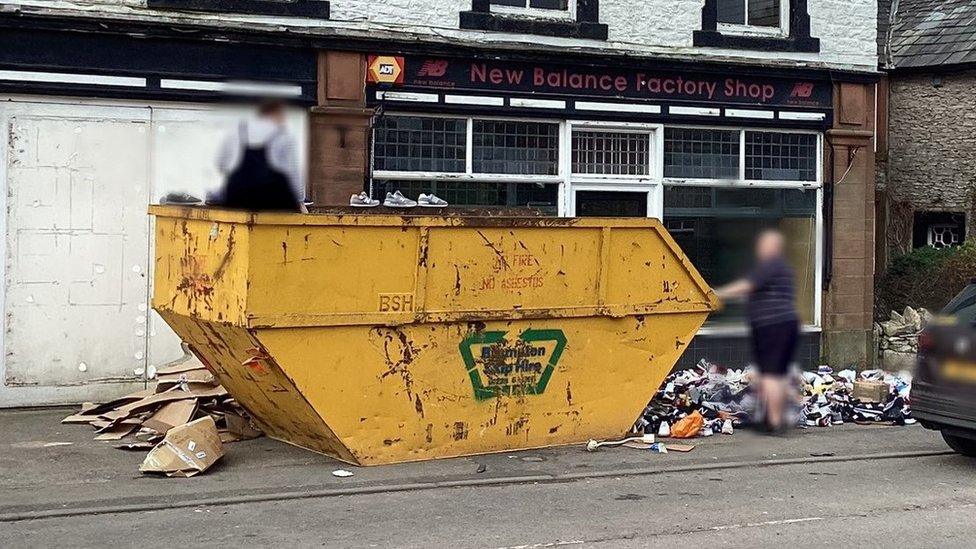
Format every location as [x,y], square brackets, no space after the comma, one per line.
[469,161]
[939,229]
[717,227]
[765,25]
[692,153]
[695,153]
[611,153]
[297,8]
[539,197]
[426,144]
[774,156]
[515,147]
[562,18]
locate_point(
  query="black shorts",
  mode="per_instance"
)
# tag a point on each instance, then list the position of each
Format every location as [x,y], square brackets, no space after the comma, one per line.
[774,346]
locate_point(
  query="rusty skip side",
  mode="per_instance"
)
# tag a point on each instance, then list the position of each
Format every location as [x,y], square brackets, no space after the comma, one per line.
[244,368]
[379,339]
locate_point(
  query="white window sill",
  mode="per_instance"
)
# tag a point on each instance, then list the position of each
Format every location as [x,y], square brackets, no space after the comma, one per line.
[535,13]
[751,30]
[736,330]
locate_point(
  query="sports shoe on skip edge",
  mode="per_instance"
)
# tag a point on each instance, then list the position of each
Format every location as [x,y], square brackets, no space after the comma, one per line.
[362,200]
[397,200]
[431,201]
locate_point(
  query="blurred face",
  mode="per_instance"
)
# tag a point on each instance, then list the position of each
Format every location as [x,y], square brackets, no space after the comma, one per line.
[769,245]
[278,116]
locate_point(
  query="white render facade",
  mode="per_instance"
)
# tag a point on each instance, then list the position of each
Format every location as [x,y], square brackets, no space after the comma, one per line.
[162,83]
[847,29]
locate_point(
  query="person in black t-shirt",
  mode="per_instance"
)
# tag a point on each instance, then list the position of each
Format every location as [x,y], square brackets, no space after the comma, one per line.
[773,320]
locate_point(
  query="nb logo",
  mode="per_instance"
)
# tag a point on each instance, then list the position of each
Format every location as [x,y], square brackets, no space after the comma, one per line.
[433,67]
[802,90]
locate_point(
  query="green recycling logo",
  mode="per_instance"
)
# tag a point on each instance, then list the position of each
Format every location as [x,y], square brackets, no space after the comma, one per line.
[498,366]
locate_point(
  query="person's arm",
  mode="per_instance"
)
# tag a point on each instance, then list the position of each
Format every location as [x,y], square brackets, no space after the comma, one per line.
[227,153]
[734,290]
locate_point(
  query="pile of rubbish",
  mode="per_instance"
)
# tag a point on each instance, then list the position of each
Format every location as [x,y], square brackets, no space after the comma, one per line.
[897,337]
[710,399]
[186,405]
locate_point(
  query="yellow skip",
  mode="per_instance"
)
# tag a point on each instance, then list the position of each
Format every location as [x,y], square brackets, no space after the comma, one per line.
[380,339]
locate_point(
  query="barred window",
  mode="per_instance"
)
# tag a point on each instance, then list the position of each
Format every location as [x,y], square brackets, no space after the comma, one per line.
[515,147]
[773,156]
[611,153]
[415,143]
[701,154]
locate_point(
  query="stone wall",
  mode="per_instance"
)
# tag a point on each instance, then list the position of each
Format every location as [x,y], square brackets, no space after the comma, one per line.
[931,157]
[897,338]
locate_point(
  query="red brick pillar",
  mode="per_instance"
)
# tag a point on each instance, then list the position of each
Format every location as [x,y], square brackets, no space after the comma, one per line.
[339,128]
[849,169]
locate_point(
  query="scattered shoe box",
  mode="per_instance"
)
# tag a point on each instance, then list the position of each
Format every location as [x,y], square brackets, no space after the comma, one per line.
[871,391]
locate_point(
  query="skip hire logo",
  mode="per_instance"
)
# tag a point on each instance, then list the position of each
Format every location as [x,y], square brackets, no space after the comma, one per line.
[499,366]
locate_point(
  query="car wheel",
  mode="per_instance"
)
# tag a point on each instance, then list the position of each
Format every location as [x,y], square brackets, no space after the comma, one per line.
[964,446]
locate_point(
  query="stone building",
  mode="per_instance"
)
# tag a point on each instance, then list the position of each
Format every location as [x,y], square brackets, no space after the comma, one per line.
[927,147]
[720,117]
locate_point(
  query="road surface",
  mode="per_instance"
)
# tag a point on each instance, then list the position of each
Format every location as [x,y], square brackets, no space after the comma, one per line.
[906,502]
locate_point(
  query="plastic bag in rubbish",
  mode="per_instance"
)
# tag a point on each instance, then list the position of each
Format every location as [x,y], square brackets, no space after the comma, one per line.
[688,427]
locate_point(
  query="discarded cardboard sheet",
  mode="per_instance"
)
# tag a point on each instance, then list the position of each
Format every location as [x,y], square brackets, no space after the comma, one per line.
[136,446]
[116,432]
[191,363]
[168,396]
[170,415]
[186,450]
[638,445]
[101,425]
[675,447]
[88,414]
[80,418]
[164,382]
[241,427]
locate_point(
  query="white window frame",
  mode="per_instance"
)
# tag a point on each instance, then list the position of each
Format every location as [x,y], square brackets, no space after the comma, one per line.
[540,13]
[650,183]
[746,29]
[741,180]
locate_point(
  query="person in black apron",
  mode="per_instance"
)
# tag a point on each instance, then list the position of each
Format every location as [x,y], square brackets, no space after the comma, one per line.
[255,183]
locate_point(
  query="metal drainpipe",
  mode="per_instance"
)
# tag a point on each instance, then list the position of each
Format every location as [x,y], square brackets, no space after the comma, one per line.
[828,216]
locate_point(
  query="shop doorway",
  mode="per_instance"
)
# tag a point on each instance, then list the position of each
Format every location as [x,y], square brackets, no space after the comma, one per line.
[611,204]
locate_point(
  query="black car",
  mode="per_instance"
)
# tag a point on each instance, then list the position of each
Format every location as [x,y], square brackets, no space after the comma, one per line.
[943,393]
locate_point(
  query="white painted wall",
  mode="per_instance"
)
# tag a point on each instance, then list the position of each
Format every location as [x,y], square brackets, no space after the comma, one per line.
[78,176]
[846,28]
